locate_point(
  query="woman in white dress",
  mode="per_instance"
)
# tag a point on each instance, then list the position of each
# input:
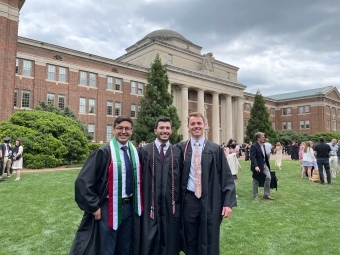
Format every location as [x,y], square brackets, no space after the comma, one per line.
[278,155]
[17,158]
[308,161]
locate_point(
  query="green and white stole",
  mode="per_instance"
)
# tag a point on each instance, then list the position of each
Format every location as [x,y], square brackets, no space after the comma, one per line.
[115,183]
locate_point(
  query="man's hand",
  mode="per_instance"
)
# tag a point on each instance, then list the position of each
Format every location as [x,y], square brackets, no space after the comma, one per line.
[257,169]
[226,212]
[97,214]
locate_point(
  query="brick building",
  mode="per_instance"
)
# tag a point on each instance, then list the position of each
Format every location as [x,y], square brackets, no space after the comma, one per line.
[99,89]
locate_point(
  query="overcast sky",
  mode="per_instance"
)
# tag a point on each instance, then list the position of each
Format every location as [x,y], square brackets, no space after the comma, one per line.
[279,45]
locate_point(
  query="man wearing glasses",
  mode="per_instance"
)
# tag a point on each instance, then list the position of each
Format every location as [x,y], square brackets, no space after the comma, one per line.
[108,190]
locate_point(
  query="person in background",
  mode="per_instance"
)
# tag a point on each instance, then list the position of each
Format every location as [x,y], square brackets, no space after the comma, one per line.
[232,158]
[294,151]
[333,159]
[301,148]
[278,155]
[17,153]
[308,160]
[322,151]
[6,150]
[247,151]
[268,148]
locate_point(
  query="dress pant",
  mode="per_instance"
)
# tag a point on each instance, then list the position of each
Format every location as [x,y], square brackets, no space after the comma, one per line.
[191,221]
[333,162]
[116,242]
[7,165]
[266,171]
[324,162]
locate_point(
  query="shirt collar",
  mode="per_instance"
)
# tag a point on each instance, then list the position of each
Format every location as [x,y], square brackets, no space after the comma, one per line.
[201,141]
[158,144]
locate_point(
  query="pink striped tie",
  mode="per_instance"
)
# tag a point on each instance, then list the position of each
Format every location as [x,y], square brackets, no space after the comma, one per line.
[197,171]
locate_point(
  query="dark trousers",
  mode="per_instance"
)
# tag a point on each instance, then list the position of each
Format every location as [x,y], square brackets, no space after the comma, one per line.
[324,162]
[115,242]
[191,221]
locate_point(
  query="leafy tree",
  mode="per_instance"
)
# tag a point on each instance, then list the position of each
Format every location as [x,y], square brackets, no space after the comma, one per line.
[288,136]
[67,112]
[49,139]
[156,102]
[259,120]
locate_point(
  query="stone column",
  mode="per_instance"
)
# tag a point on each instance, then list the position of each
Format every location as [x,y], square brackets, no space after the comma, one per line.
[240,131]
[215,119]
[184,112]
[200,101]
[229,119]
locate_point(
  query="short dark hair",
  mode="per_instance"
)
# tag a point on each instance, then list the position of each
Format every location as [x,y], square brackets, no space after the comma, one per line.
[120,119]
[321,139]
[20,142]
[163,119]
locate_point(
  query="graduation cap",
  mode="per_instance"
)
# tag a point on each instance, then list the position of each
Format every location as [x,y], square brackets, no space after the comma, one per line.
[7,139]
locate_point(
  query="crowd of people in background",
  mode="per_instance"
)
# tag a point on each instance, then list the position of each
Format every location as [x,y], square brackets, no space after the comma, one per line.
[10,158]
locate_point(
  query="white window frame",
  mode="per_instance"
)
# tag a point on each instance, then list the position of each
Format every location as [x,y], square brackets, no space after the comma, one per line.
[118,84]
[61,101]
[62,74]
[27,102]
[133,111]
[110,82]
[118,108]
[109,108]
[140,88]
[92,80]
[92,106]
[109,132]
[51,72]
[82,105]
[50,98]
[27,68]
[91,130]
[133,87]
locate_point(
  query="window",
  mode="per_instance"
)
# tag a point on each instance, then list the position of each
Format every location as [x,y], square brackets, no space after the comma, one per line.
[17,66]
[328,124]
[15,98]
[83,78]
[92,104]
[246,107]
[307,109]
[302,124]
[306,124]
[91,129]
[51,72]
[27,68]
[287,111]
[133,110]
[272,111]
[109,82]
[62,74]
[92,80]
[333,111]
[25,99]
[109,108]
[287,125]
[334,125]
[140,88]
[169,59]
[82,105]
[50,98]
[273,125]
[118,84]
[108,133]
[301,109]
[133,87]
[61,102]
[117,108]
[327,109]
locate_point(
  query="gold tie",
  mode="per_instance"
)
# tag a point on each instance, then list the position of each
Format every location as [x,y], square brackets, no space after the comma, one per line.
[197,171]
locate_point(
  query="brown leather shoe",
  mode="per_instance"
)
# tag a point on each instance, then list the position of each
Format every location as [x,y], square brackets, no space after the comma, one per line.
[268,197]
[256,197]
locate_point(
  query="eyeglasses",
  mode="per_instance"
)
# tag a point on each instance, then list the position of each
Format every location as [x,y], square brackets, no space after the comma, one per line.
[127,129]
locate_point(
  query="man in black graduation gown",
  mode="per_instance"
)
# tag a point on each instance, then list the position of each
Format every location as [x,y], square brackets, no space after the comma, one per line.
[208,190]
[106,229]
[294,151]
[160,221]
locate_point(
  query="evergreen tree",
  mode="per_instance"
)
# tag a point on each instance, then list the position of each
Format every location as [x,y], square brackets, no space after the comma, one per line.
[259,120]
[156,102]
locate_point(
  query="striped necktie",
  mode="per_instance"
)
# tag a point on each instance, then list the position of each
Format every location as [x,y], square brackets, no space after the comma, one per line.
[197,171]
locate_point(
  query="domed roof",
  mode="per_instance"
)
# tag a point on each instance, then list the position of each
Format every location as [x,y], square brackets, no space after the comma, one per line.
[165,34]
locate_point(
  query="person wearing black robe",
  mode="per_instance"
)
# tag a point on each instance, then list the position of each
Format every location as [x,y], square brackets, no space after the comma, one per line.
[160,220]
[91,195]
[204,206]
[294,151]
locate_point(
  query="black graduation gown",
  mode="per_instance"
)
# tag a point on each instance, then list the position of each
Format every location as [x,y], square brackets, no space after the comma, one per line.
[90,187]
[218,190]
[295,152]
[160,235]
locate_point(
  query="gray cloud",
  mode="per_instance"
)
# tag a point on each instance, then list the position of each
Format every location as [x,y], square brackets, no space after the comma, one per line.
[279,46]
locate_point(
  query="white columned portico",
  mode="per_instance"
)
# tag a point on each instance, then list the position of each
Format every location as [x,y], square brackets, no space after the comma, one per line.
[240,131]
[200,101]
[229,119]
[215,119]
[184,112]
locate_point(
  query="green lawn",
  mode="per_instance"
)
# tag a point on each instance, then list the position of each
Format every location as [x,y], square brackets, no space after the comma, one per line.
[39,215]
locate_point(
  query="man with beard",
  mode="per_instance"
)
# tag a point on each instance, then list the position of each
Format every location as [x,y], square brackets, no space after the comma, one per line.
[108,190]
[160,221]
[207,188]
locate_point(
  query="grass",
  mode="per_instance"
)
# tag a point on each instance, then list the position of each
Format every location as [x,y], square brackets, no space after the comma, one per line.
[39,215]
